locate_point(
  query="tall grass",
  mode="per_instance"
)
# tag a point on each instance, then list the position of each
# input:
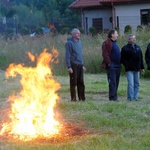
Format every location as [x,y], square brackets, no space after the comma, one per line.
[16,51]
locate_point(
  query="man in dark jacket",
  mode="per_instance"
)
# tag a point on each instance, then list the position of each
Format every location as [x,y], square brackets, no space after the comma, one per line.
[74,62]
[132,59]
[111,62]
[147,56]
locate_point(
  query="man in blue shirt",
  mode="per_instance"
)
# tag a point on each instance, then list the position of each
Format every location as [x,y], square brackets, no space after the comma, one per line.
[74,62]
[111,62]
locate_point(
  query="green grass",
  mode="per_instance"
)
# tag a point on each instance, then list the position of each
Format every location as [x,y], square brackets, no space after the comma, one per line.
[109,125]
[99,123]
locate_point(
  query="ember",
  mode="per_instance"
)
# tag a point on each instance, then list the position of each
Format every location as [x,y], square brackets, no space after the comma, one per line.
[31,113]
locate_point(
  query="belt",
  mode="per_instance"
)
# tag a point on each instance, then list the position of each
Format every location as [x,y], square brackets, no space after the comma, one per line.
[77,65]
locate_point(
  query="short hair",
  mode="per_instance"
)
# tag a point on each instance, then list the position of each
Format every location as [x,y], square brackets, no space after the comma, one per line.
[74,30]
[130,35]
[110,33]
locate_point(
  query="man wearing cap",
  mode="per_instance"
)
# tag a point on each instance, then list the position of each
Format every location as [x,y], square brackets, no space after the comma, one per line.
[132,59]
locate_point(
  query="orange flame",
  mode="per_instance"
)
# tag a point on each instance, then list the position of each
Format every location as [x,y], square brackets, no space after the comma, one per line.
[32,111]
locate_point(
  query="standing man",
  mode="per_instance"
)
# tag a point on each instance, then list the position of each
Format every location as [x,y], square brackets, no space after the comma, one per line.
[111,62]
[74,61]
[132,59]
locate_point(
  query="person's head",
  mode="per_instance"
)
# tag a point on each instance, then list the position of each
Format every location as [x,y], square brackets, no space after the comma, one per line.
[113,34]
[131,38]
[75,34]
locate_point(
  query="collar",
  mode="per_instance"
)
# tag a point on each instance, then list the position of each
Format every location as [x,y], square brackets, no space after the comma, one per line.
[113,40]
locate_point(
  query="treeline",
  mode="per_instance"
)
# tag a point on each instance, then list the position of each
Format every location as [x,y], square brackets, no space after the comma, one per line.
[25,16]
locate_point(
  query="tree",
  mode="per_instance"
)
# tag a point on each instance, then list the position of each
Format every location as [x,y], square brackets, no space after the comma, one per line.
[29,17]
[55,12]
[3,10]
[68,18]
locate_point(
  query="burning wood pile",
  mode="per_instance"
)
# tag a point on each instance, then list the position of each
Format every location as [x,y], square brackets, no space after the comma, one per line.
[31,114]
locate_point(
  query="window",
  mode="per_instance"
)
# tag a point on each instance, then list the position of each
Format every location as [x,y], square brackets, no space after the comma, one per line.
[98,24]
[145,17]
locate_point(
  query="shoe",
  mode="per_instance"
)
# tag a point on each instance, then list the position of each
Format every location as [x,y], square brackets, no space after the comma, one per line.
[116,100]
[129,99]
[81,99]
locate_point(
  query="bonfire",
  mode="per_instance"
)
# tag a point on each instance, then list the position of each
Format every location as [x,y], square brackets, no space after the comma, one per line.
[31,114]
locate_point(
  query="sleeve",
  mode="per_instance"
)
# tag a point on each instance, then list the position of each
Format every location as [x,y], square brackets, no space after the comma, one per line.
[147,56]
[68,54]
[106,53]
[123,57]
[142,64]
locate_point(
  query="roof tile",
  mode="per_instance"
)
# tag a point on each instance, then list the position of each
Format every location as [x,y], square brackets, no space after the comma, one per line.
[96,3]
[84,3]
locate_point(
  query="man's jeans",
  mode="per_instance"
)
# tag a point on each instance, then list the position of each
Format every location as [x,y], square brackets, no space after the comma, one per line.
[113,75]
[133,78]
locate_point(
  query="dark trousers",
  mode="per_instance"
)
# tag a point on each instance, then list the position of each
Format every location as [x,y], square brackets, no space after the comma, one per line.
[77,79]
[113,75]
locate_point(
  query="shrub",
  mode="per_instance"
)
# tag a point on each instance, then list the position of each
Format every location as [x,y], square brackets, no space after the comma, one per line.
[81,30]
[24,31]
[93,31]
[65,30]
[53,32]
[9,32]
[147,28]
[128,29]
[139,28]
[117,29]
[39,31]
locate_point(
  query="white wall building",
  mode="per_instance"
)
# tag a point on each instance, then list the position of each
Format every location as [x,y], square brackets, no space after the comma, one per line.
[110,14]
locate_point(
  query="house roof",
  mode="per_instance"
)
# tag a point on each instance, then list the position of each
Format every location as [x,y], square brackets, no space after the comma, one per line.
[96,3]
[84,3]
[117,0]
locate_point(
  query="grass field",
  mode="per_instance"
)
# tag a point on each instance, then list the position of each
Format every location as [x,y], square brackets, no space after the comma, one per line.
[97,123]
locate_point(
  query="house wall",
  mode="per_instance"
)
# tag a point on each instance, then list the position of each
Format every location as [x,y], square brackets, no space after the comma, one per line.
[129,14]
[105,14]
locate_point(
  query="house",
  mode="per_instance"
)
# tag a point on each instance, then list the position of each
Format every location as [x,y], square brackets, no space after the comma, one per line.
[109,14]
